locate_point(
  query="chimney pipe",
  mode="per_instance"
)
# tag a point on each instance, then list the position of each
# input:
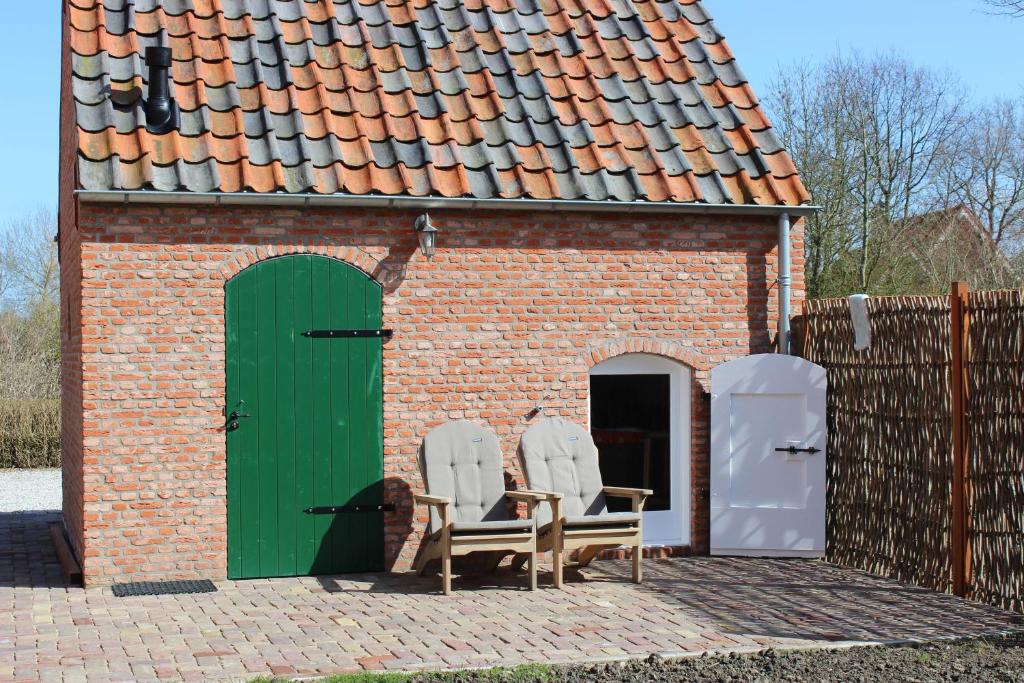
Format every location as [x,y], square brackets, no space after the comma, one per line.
[162,115]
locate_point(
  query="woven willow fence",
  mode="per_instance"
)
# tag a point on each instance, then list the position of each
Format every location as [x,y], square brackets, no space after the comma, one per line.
[995,447]
[889,440]
[891,474]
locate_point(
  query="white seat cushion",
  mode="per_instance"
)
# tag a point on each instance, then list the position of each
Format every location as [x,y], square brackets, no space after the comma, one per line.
[462,460]
[496,526]
[558,455]
[608,519]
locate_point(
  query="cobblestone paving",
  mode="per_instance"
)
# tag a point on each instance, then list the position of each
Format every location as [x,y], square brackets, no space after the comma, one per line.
[305,626]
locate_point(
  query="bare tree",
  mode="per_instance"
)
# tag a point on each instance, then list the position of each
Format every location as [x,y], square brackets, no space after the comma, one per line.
[809,117]
[900,119]
[868,135]
[985,170]
[28,258]
[1013,8]
[29,309]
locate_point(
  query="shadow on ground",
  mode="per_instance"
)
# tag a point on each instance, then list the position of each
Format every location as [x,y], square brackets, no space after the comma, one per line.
[27,558]
[798,599]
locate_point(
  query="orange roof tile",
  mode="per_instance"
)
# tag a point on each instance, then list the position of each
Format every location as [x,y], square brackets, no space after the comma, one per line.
[626,100]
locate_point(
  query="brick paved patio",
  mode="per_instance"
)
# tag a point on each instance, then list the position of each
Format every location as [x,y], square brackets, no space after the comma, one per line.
[306,626]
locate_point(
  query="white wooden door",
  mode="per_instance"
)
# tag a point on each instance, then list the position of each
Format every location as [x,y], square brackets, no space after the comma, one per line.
[768,457]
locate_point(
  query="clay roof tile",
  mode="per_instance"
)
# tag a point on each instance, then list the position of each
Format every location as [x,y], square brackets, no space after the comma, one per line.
[592,99]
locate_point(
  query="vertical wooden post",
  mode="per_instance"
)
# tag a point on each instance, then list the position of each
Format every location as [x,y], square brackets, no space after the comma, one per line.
[960,550]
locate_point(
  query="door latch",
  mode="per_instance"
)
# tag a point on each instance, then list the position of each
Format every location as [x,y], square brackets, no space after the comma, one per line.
[793,450]
[232,421]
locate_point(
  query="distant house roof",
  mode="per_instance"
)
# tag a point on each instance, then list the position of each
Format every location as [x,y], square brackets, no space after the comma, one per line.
[954,233]
[956,222]
[629,100]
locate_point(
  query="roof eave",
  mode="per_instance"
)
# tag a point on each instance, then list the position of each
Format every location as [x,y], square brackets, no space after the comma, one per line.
[408,202]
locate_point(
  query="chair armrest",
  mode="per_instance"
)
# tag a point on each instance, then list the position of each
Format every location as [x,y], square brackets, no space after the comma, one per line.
[623,492]
[554,499]
[528,496]
[638,496]
[426,499]
[544,495]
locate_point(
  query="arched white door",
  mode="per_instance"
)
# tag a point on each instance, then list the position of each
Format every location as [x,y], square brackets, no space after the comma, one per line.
[768,457]
[640,421]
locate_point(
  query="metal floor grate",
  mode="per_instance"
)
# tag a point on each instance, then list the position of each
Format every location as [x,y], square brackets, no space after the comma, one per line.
[124,590]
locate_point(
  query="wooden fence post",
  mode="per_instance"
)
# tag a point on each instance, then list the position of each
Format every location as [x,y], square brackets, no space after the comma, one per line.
[959,324]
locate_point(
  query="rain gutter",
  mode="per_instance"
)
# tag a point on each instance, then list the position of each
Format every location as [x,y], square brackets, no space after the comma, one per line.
[371,201]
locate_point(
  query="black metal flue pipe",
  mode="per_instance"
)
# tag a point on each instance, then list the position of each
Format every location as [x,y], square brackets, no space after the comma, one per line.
[161,111]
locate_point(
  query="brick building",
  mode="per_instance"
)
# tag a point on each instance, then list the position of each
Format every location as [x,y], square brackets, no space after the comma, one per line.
[606,192]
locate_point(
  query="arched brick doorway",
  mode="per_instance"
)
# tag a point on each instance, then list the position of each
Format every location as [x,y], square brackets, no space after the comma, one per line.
[640,420]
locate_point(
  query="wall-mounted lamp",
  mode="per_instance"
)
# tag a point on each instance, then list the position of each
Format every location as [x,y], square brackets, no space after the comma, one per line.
[427,235]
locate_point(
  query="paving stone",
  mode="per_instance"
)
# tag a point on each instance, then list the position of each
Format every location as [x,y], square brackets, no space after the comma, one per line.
[343,624]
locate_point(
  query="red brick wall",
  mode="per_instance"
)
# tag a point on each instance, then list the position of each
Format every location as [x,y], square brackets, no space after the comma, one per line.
[511,313]
[70,305]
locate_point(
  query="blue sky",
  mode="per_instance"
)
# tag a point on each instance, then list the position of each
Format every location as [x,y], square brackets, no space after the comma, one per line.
[983,50]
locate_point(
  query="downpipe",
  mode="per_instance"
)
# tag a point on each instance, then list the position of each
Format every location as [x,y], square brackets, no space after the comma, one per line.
[785,285]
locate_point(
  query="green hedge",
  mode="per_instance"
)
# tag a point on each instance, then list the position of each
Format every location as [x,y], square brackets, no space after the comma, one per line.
[30,433]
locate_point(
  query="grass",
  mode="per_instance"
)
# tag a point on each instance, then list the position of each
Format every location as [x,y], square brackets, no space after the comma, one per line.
[526,673]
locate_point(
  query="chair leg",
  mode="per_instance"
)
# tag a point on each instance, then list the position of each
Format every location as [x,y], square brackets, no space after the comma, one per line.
[426,555]
[496,559]
[638,554]
[586,555]
[446,570]
[519,560]
[556,563]
[532,559]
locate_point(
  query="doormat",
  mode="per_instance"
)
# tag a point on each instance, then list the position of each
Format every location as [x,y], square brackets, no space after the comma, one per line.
[124,590]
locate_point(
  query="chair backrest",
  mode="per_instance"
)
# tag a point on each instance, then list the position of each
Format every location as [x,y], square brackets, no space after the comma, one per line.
[462,461]
[558,455]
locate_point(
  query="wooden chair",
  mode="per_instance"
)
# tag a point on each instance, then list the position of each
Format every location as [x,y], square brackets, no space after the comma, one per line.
[469,512]
[559,459]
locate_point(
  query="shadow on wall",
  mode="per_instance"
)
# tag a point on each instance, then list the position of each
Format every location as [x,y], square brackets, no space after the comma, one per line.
[398,525]
[757,302]
[391,270]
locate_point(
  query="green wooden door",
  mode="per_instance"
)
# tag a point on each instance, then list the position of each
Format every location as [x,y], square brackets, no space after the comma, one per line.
[311,431]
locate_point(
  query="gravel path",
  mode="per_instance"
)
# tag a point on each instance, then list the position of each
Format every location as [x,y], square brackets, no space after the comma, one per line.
[22,490]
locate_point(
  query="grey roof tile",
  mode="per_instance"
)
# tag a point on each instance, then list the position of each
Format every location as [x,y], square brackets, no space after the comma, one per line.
[97,175]
[372,14]
[567,44]
[433,55]
[236,9]
[172,7]
[768,142]
[483,183]
[262,150]
[534,23]
[674,161]
[430,106]
[713,189]
[223,98]
[193,123]
[289,10]
[569,183]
